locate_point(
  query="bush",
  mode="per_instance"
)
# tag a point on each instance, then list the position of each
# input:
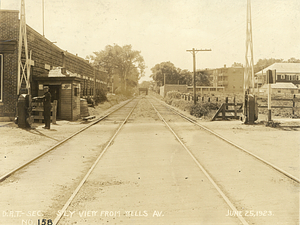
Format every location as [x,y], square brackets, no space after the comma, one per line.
[174,94]
[182,105]
[171,95]
[101,96]
[204,109]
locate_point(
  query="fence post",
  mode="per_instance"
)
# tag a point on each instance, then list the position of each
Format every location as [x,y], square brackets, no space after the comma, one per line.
[235,112]
[294,104]
[226,101]
[54,109]
[224,111]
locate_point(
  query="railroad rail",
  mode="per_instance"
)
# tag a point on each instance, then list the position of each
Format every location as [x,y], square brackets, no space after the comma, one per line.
[67,204]
[3,177]
[206,173]
[58,217]
[235,145]
[230,204]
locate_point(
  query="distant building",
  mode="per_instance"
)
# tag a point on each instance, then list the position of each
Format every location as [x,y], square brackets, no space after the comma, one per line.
[285,73]
[172,87]
[280,88]
[231,78]
[188,89]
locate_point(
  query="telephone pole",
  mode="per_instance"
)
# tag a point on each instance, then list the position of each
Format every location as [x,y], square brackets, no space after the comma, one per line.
[194,51]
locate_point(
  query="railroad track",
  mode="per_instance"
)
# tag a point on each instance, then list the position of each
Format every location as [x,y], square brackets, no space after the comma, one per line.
[230,204]
[216,184]
[6,175]
[233,144]
[56,220]
[83,181]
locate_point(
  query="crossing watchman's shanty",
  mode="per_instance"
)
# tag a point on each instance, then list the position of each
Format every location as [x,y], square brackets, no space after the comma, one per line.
[68,76]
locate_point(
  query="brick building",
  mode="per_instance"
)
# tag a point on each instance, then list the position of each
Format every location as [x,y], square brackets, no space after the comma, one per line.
[46,56]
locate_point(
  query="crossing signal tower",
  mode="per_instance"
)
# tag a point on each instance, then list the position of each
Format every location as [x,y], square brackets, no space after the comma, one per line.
[250,111]
[23,67]
[24,118]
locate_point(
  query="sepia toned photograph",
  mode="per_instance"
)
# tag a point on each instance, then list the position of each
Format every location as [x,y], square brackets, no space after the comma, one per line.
[149,112]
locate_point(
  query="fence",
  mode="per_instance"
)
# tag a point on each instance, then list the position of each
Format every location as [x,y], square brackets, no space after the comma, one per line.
[38,109]
[231,110]
[228,110]
[283,105]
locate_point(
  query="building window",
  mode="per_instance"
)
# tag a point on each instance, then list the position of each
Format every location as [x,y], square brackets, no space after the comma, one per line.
[1,77]
[278,77]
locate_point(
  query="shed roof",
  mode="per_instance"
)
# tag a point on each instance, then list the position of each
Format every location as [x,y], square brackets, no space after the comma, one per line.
[280,86]
[282,68]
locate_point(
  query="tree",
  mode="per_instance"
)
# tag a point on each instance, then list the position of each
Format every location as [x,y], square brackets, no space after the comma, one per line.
[235,64]
[263,63]
[167,69]
[293,60]
[186,77]
[124,62]
[202,78]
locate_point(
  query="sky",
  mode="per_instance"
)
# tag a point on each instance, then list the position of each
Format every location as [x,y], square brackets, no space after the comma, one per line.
[164,29]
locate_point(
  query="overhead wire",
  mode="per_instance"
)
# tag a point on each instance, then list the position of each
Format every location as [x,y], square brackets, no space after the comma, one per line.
[260,15]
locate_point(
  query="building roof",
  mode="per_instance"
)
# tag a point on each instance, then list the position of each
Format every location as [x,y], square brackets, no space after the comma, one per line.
[282,68]
[280,86]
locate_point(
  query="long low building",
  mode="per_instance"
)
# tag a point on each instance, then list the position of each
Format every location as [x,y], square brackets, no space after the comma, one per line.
[77,77]
[285,73]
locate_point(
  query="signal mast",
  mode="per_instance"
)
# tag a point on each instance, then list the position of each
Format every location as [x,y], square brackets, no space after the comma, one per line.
[250,110]
[23,69]
[24,118]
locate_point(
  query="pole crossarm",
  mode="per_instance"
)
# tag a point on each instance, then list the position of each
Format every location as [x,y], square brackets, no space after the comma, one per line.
[198,50]
[194,51]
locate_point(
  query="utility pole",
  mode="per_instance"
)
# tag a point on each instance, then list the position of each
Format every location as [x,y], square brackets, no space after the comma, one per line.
[43,12]
[194,51]
[94,94]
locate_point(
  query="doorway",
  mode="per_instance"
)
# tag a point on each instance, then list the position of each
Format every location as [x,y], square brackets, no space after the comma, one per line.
[55,95]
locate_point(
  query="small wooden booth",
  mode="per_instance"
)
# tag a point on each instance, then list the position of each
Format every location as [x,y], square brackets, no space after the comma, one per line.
[66,91]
